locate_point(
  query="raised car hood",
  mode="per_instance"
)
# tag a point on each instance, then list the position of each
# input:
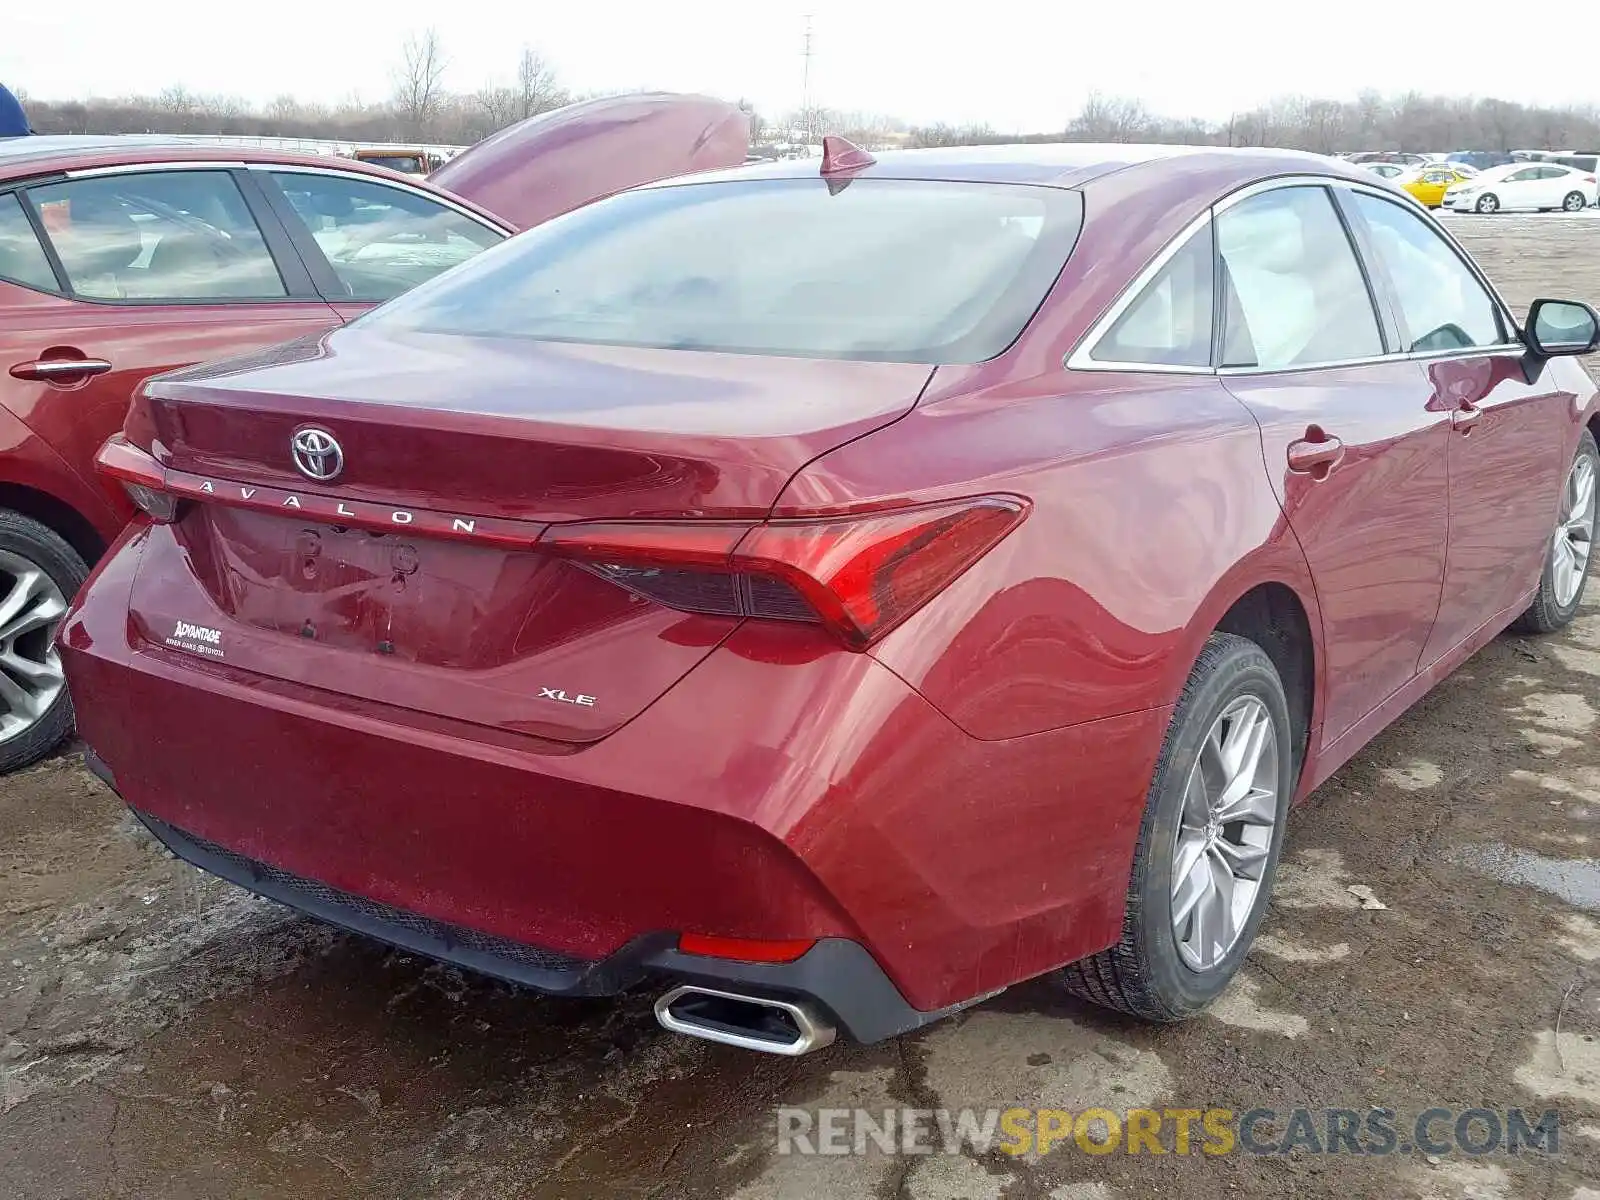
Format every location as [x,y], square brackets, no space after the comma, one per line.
[562,160]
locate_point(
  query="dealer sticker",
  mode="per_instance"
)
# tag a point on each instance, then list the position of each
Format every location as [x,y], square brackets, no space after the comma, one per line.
[196,639]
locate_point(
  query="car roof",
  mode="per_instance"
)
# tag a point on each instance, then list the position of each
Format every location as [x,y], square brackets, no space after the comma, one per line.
[1055,164]
[43,153]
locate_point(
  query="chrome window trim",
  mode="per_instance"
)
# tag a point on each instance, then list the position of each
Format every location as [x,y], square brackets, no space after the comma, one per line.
[1501,351]
[1080,358]
[439,198]
[147,168]
[152,167]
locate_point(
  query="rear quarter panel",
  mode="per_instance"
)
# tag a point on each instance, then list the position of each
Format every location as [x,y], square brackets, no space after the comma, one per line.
[1151,514]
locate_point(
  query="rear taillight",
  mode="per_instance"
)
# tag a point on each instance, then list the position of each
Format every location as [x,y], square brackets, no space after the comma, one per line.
[160,507]
[859,576]
[141,476]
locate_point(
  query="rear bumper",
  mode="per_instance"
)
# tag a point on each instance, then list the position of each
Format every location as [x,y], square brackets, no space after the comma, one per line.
[836,973]
[783,790]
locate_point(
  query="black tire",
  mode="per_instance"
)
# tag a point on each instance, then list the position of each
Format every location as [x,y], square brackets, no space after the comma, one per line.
[1488,203]
[1144,973]
[49,552]
[1574,202]
[1547,614]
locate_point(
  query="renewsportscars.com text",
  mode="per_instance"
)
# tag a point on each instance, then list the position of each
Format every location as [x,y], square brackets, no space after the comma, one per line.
[1211,1131]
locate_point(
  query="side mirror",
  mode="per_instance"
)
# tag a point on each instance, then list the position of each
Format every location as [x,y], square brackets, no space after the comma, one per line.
[1562,327]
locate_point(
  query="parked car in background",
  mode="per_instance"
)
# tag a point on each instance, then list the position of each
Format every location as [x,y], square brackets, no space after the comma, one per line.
[1429,184]
[1397,157]
[407,162]
[1524,187]
[1388,170]
[1480,160]
[123,257]
[838,594]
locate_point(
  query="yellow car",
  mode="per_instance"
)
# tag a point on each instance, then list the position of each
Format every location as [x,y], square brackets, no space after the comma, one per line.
[1429,184]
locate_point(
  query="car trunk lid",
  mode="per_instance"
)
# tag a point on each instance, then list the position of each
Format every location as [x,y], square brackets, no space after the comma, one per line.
[411,576]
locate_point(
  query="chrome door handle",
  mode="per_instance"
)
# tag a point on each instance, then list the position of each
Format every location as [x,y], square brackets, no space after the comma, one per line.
[57,370]
[1307,455]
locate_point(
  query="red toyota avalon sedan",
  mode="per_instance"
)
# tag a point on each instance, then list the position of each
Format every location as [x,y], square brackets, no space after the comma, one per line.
[122,257]
[838,595]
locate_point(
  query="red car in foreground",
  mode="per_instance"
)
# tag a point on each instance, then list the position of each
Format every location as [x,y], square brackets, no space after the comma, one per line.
[838,596]
[121,257]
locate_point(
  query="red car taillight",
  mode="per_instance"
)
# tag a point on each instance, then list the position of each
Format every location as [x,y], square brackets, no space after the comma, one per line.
[141,476]
[859,576]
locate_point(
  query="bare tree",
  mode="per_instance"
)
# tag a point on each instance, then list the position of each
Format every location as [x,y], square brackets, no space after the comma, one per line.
[1110,119]
[499,106]
[418,82]
[537,90]
[424,108]
[179,107]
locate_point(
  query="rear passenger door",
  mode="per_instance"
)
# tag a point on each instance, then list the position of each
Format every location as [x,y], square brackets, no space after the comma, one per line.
[148,270]
[1354,450]
[1508,436]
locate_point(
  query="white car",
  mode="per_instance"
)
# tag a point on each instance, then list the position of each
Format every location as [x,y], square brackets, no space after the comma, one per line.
[1525,187]
[1388,170]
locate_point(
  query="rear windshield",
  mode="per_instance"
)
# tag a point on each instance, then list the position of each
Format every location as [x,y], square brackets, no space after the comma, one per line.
[891,270]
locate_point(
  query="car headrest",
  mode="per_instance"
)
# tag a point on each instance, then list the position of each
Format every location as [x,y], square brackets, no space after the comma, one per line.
[1269,239]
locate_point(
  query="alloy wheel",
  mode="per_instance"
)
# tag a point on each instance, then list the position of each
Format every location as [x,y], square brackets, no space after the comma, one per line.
[1230,809]
[1488,204]
[1574,203]
[1574,536]
[31,679]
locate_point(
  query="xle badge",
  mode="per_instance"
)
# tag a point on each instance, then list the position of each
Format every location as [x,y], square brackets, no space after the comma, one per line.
[558,694]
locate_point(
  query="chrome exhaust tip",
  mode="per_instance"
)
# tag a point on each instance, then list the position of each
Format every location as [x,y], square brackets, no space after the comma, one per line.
[750,1022]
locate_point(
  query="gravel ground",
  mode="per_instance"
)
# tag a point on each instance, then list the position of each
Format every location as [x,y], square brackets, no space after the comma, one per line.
[162,1034]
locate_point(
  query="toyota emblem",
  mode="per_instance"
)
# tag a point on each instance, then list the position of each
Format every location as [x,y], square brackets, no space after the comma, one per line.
[317,454]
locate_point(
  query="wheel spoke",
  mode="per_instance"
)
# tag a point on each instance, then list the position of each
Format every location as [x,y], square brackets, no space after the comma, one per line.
[1196,806]
[25,589]
[1247,739]
[45,609]
[1245,859]
[1213,917]
[1582,489]
[1193,886]
[19,699]
[1214,763]
[39,674]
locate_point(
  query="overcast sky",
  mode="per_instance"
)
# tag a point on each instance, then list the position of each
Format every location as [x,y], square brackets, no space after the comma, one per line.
[1011,65]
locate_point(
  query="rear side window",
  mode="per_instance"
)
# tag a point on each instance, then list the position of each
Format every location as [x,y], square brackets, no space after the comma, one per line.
[22,258]
[890,270]
[1442,304]
[166,235]
[1296,295]
[381,240]
[1169,323]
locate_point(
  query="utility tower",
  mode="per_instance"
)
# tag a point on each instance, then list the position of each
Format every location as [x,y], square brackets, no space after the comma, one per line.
[805,79]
